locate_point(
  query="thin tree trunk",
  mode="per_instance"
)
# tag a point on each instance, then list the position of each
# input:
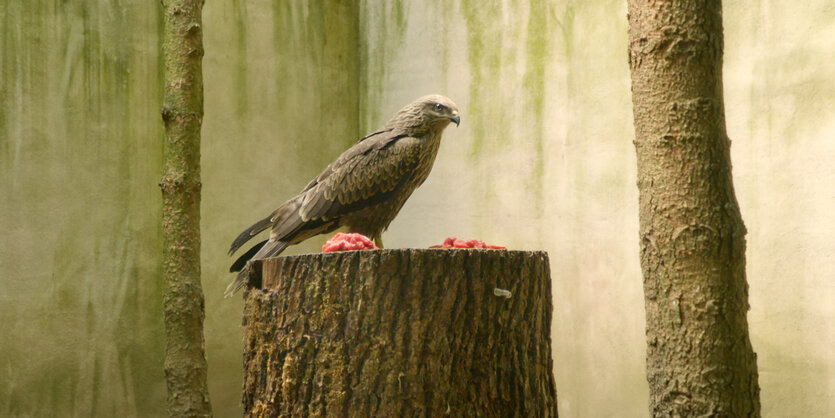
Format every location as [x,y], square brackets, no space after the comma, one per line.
[699,357]
[182,112]
[400,333]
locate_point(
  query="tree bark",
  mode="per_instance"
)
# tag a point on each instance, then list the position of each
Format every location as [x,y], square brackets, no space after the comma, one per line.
[699,357]
[182,113]
[400,333]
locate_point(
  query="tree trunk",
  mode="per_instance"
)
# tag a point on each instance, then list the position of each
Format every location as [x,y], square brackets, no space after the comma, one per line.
[400,333]
[699,357]
[182,113]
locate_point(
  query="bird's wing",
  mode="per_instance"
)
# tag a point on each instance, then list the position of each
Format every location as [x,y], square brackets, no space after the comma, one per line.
[285,221]
[366,174]
[377,139]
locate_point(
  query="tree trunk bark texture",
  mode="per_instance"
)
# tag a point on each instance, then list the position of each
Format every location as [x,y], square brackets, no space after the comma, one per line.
[400,333]
[699,358]
[182,113]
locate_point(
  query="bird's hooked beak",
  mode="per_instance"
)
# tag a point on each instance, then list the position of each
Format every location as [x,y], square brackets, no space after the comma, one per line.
[456,119]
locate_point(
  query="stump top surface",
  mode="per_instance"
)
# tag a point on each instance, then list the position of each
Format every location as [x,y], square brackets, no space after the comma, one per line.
[265,270]
[414,251]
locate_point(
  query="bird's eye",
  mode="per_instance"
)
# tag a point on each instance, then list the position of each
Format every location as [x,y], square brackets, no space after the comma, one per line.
[439,107]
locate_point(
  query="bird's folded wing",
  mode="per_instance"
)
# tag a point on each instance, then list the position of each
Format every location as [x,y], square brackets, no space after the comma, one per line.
[363,179]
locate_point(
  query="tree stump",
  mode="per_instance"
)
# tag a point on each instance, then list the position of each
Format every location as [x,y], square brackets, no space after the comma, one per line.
[400,333]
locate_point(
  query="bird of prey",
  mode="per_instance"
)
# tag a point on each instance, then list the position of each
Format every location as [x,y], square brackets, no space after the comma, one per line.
[362,190]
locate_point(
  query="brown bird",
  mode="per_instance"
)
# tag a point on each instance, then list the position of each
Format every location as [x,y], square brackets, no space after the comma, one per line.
[362,190]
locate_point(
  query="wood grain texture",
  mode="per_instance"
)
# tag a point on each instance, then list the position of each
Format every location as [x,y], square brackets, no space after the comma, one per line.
[400,333]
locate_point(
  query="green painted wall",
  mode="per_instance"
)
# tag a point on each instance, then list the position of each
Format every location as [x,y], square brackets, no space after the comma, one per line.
[543,160]
[780,102]
[80,154]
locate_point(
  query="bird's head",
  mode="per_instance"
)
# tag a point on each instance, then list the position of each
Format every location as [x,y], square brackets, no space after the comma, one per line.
[432,112]
[440,109]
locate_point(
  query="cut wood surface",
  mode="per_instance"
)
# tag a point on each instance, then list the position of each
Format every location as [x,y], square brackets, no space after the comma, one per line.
[400,333]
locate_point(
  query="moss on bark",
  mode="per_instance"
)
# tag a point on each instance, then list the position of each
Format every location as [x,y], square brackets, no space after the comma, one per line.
[182,113]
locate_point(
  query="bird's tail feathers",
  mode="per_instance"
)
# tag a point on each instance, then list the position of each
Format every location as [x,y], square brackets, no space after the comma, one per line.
[265,249]
[240,280]
[250,232]
[239,264]
[270,249]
